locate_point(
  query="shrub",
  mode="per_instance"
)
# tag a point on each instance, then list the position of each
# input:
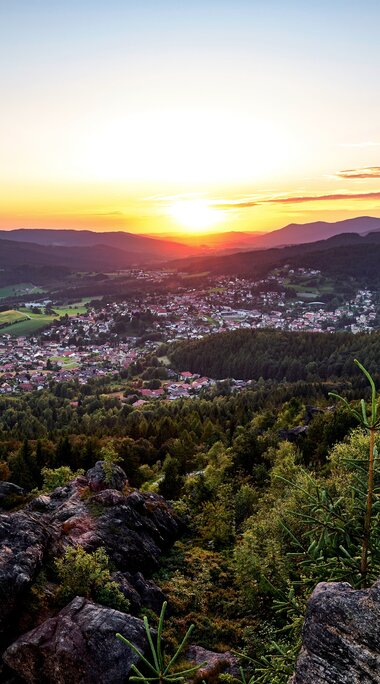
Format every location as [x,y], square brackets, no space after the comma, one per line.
[88,574]
[58,477]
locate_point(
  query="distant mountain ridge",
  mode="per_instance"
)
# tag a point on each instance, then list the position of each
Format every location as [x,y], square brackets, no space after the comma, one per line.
[301,233]
[129,242]
[150,246]
[86,250]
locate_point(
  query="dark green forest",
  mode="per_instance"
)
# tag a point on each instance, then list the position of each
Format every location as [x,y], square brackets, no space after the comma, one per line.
[279,356]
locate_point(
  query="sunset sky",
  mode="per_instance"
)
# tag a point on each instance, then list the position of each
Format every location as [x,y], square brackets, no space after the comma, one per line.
[171,116]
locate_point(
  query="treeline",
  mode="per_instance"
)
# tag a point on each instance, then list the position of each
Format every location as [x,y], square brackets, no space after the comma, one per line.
[280,356]
[43,429]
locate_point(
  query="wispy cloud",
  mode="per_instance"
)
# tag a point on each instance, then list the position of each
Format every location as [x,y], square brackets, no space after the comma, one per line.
[255,201]
[360,173]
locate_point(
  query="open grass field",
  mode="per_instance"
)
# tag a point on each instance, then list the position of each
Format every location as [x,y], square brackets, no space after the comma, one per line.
[165,360]
[11,316]
[72,310]
[24,322]
[27,326]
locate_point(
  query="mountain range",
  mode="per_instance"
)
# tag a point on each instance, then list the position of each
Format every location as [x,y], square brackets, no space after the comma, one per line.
[297,233]
[347,255]
[85,250]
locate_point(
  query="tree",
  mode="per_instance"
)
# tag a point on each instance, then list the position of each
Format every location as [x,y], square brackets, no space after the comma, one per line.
[171,484]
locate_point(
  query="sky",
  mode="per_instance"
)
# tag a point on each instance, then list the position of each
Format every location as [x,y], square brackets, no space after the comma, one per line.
[173,117]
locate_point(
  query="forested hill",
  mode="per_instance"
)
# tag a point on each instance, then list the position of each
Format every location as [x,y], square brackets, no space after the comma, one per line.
[345,256]
[278,355]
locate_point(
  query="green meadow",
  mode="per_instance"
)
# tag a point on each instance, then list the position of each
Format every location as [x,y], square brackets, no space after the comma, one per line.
[24,322]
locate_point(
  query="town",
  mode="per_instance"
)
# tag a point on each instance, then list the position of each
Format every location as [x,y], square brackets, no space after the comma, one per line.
[109,337]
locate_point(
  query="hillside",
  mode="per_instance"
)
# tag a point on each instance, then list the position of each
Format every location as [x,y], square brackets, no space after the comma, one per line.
[97,258]
[131,243]
[349,255]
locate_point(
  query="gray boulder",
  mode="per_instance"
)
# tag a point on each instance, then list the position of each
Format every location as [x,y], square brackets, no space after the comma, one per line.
[79,646]
[10,489]
[23,539]
[97,478]
[341,636]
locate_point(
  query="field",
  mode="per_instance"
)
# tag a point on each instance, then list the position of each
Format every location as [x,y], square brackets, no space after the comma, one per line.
[72,310]
[65,361]
[165,360]
[23,322]
[28,326]
[303,289]
[11,316]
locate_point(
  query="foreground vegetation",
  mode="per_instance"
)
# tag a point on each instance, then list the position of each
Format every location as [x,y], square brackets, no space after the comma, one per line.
[272,483]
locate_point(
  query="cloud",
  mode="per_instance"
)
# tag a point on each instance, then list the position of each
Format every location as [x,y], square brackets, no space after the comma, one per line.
[250,201]
[365,172]
[255,201]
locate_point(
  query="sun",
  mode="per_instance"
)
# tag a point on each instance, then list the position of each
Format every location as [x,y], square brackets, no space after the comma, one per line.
[195,216]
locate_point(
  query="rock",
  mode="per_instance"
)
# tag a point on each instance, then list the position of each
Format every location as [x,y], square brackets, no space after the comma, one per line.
[97,478]
[133,528]
[123,579]
[216,664]
[79,646]
[23,539]
[151,595]
[140,591]
[10,489]
[311,412]
[294,434]
[341,636]
[135,531]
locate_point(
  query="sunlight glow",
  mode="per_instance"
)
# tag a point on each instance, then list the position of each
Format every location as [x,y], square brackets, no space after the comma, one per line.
[195,215]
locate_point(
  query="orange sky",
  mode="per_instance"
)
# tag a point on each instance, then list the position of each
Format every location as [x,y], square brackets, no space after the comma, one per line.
[209,116]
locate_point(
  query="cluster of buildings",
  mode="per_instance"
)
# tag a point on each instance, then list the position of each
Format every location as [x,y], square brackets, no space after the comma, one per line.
[93,344]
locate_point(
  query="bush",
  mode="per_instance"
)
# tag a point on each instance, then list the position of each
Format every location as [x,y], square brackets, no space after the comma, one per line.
[58,477]
[88,574]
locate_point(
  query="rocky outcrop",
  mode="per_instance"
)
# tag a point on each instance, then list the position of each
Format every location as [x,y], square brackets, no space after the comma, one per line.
[134,528]
[23,541]
[341,636]
[78,645]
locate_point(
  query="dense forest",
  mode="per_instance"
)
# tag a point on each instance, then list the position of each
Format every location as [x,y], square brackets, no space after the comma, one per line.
[280,356]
